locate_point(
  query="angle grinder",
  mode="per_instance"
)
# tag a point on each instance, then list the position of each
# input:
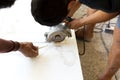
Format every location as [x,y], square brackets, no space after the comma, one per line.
[59,32]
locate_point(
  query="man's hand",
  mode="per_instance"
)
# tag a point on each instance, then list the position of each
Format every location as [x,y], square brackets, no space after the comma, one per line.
[28,49]
[75,24]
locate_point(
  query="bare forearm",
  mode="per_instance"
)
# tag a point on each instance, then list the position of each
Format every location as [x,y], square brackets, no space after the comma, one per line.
[76,4]
[98,16]
[7,46]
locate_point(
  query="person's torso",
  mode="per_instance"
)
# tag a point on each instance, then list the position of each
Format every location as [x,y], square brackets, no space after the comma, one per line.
[105,5]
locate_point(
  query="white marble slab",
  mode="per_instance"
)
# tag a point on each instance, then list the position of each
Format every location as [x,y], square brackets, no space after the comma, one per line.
[56,61]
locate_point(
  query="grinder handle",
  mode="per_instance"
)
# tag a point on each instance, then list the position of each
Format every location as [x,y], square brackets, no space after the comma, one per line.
[69,19]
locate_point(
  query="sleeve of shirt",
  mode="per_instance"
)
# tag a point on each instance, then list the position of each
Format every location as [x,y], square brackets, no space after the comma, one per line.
[8,45]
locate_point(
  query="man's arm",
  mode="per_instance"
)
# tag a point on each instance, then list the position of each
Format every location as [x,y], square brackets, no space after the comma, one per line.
[98,16]
[8,45]
[26,48]
[73,7]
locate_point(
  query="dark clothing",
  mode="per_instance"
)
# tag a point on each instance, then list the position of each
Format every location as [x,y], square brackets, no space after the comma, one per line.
[6,3]
[8,45]
[105,5]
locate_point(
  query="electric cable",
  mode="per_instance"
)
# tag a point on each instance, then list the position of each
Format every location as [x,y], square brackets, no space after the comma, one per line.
[84,47]
[103,41]
[69,19]
[100,30]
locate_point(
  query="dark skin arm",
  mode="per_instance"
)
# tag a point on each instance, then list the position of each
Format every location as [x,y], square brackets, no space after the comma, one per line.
[26,48]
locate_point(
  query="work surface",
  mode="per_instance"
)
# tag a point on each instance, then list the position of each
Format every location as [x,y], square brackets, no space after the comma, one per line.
[56,61]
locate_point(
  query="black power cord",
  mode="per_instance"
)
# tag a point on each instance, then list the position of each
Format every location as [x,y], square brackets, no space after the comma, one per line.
[69,19]
[106,48]
[100,30]
[84,47]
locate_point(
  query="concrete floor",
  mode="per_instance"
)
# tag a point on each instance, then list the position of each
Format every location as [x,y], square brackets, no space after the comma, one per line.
[96,52]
